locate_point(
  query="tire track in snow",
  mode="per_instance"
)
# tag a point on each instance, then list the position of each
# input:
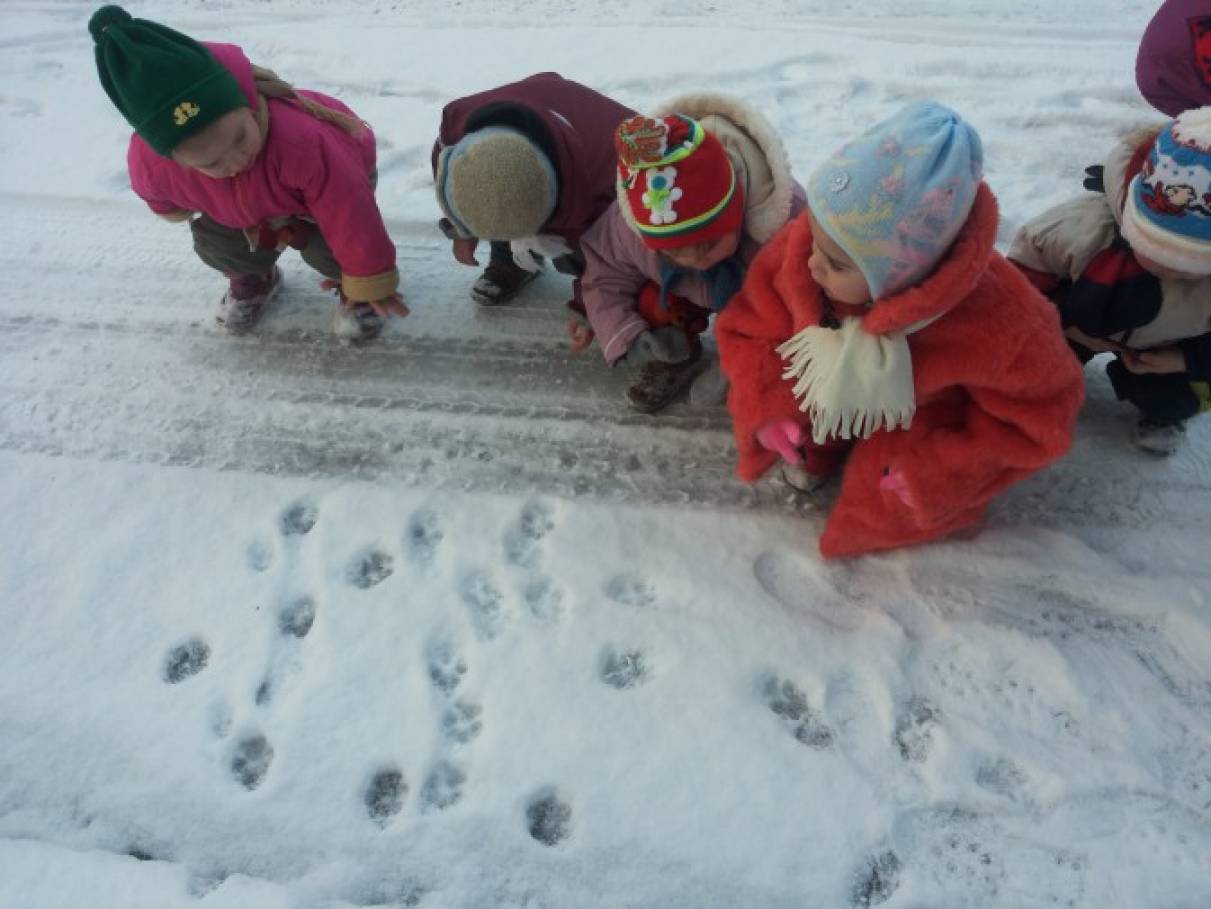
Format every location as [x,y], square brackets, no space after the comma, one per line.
[442,413]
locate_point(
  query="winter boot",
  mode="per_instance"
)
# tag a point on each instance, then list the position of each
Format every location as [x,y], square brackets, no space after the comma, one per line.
[1157,438]
[246,300]
[659,383]
[800,479]
[710,388]
[500,283]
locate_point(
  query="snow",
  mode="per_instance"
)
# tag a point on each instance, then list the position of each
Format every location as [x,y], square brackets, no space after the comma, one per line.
[442,623]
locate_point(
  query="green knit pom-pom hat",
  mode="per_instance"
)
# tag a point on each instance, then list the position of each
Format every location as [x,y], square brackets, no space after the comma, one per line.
[167,86]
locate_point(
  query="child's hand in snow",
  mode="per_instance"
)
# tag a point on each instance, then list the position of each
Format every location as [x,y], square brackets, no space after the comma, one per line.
[387,307]
[390,306]
[783,437]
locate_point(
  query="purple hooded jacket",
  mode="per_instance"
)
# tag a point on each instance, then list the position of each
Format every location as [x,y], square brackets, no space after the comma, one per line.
[573,124]
[1173,67]
[618,263]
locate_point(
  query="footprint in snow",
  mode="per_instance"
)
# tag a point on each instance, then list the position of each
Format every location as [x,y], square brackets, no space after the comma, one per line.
[521,542]
[788,702]
[294,622]
[462,721]
[296,617]
[443,787]
[878,880]
[485,602]
[631,590]
[624,670]
[1001,776]
[915,728]
[957,857]
[384,795]
[251,759]
[299,519]
[219,719]
[259,556]
[370,568]
[186,660]
[446,666]
[544,598]
[549,817]
[425,535]
[264,692]
[796,584]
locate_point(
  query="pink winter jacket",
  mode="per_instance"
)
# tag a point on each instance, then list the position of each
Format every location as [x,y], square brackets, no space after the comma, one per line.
[307,168]
[618,264]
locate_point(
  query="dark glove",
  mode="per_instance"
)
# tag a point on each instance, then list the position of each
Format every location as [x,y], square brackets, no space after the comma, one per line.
[667,344]
[1095,180]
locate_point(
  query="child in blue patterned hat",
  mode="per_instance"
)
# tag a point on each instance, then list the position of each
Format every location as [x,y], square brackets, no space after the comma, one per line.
[1130,270]
[882,335]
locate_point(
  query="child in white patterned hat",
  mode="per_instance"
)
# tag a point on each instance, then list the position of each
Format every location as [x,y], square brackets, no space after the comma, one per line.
[1130,270]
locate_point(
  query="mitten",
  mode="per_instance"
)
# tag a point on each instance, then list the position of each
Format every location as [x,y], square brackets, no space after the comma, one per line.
[893,483]
[667,344]
[784,438]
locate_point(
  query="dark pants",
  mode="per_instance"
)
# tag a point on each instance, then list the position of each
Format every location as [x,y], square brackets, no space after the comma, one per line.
[226,249]
[1162,399]
[571,264]
[502,254]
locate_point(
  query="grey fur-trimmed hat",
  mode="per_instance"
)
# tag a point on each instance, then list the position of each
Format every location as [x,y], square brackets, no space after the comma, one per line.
[496,184]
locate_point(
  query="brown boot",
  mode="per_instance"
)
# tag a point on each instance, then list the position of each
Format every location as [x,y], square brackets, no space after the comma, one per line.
[660,383]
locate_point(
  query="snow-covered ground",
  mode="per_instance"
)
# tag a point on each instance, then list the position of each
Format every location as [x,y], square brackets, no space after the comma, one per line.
[442,623]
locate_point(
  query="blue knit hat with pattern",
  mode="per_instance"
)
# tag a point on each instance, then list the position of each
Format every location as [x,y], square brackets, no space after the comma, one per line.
[1167,214]
[896,197]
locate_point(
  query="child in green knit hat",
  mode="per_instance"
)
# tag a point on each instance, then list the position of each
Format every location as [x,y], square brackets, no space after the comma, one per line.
[203,151]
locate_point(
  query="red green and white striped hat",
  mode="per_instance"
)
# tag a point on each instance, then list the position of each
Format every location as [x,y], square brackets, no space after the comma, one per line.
[676,184]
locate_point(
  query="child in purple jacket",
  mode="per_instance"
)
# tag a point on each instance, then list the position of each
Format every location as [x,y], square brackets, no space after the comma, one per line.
[1173,68]
[702,185]
[204,151]
[527,166]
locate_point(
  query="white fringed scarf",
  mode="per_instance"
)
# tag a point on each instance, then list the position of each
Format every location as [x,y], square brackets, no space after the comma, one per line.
[850,382]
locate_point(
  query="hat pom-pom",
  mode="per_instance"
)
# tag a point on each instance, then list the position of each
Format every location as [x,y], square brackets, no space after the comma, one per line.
[104,18]
[640,141]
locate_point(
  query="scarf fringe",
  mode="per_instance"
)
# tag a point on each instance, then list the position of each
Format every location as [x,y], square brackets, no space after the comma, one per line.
[816,366]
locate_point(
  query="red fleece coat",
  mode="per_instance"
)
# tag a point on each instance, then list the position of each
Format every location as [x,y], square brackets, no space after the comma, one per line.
[997,389]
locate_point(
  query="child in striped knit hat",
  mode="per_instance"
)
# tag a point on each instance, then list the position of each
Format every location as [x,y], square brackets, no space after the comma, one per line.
[1130,271]
[702,183]
[881,333]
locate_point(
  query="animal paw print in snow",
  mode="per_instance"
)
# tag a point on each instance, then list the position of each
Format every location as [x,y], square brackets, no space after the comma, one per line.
[184,112]
[661,195]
